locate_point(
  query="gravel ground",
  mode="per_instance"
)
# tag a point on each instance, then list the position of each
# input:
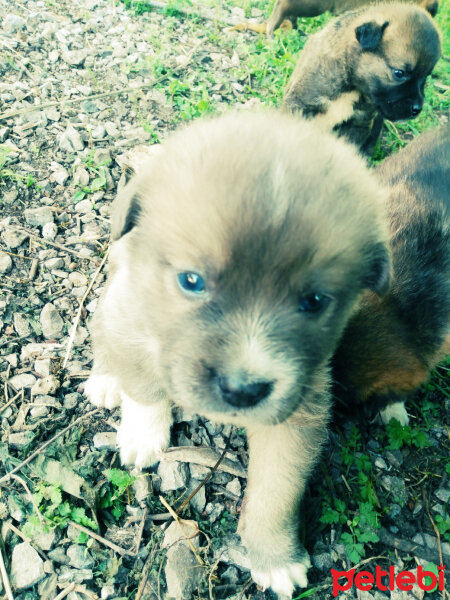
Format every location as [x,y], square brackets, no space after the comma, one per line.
[85,88]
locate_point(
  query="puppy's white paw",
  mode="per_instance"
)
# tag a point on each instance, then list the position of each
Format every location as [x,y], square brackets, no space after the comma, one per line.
[144,432]
[396,410]
[103,391]
[284,579]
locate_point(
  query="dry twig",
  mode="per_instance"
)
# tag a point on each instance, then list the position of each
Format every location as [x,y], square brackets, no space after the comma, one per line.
[5,579]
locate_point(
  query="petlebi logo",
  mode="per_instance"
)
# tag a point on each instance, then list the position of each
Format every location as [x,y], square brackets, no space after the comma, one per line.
[428,579]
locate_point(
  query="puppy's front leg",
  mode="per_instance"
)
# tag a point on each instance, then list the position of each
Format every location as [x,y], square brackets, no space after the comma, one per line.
[281,458]
[144,431]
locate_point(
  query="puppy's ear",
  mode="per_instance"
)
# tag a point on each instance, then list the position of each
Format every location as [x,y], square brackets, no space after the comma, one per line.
[126,211]
[369,34]
[378,277]
[431,6]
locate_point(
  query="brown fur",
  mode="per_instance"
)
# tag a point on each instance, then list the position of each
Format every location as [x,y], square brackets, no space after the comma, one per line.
[391,344]
[346,73]
[291,9]
[268,221]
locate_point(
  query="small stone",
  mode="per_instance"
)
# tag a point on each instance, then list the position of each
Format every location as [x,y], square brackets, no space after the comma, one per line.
[198,471]
[52,324]
[380,463]
[20,440]
[54,263]
[48,587]
[71,400]
[213,511]
[322,561]
[443,494]
[4,133]
[60,176]
[105,440]
[84,206]
[42,366]
[46,385]
[70,140]
[174,475]
[78,279]
[234,486]
[233,552]
[81,177]
[395,457]
[79,557]
[396,486]
[182,571]
[231,575]
[108,591]
[38,217]
[13,238]
[12,359]
[49,231]
[27,567]
[74,58]
[13,23]
[21,325]
[45,539]
[99,132]
[199,500]
[6,262]
[22,381]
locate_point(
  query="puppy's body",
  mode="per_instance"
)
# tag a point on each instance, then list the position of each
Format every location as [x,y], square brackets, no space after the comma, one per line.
[391,343]
[236,263]
[291,9]
[363,67]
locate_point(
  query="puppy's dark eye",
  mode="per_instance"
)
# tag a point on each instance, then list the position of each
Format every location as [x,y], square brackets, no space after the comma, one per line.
[191,282]
[314,303]
[398,74]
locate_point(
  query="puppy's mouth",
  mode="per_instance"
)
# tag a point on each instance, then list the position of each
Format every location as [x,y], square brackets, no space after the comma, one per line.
[235,399]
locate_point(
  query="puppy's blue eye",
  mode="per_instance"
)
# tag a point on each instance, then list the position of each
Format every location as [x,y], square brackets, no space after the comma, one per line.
[191,282]
[398,74]
[314,303]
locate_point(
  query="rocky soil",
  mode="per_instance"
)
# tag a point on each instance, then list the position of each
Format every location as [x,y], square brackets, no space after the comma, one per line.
[86,87]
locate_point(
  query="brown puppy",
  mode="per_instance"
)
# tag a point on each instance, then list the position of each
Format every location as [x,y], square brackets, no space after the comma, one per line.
[391,343]
[291,9]
[363,67]
[236,262]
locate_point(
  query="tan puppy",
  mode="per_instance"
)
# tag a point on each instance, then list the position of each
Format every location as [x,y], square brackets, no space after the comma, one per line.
[291,9]
[363,67]
[236,262]
[391,343]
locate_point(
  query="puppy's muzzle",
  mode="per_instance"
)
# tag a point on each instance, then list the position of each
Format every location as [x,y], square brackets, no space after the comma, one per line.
[240,392]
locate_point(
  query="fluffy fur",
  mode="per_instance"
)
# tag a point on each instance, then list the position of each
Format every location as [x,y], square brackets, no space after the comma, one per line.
[271,223]
[391,343]
[291,9]
[365,66]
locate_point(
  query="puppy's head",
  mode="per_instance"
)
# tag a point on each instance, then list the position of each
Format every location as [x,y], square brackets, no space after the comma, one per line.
[396,48]
[246,242]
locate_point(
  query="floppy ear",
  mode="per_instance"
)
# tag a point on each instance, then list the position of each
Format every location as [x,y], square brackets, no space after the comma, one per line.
[369,34]
[378,277]
[126,210]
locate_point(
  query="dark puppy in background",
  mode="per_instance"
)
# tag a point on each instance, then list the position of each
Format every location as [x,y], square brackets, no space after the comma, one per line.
[237,260]
[291,9]
[363,67]
[391,343]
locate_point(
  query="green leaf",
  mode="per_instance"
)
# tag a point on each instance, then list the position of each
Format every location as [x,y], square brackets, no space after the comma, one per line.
[98,184]
[119,478]
[79,195]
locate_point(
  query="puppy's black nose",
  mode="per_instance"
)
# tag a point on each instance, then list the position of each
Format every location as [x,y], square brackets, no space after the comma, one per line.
[415,109]
[243,395]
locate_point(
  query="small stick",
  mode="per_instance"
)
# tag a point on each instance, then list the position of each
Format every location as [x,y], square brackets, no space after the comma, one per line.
[5,579]
[177,519]
[59,246]
[7,477]
[202,483]
[80,308]
[33,269]
[66,591]
[5,406]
